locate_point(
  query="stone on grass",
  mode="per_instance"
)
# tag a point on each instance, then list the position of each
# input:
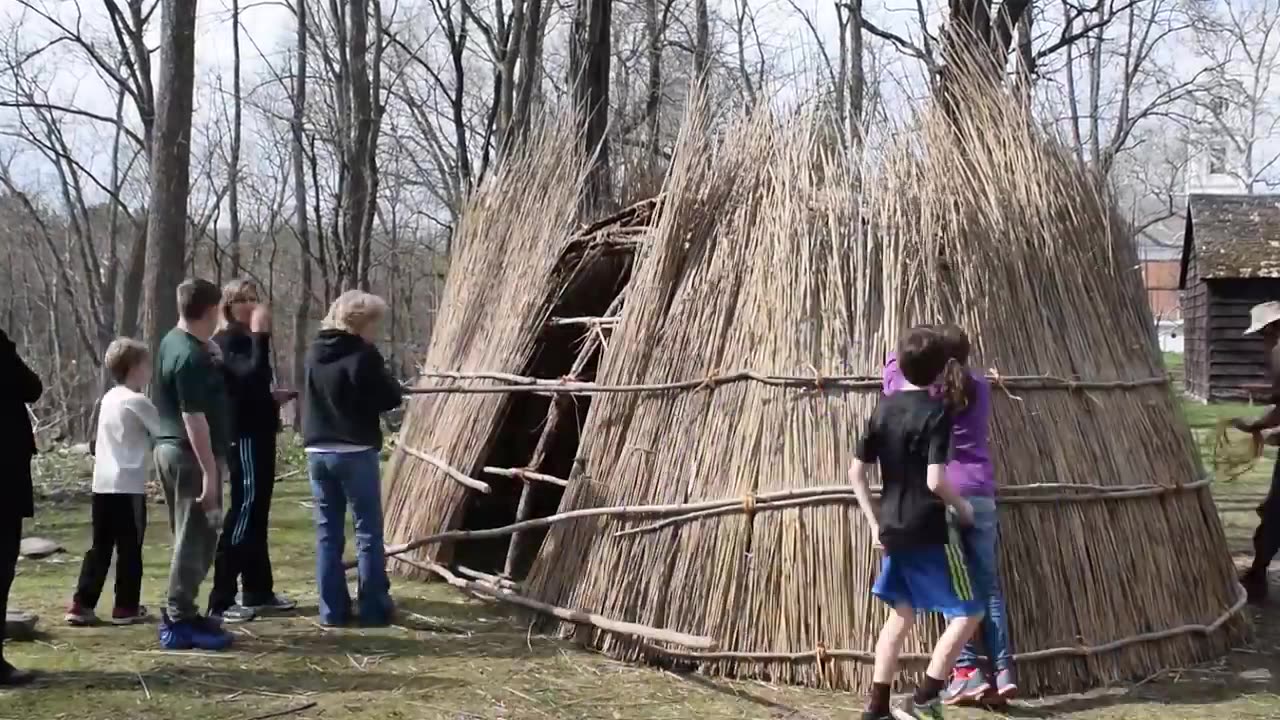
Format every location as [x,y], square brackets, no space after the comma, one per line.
[34,548]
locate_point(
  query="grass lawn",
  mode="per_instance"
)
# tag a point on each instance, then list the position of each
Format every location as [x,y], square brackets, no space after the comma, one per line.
[454,658]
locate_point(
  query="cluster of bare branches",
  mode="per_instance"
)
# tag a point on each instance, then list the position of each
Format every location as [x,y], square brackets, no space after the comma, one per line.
[337,149]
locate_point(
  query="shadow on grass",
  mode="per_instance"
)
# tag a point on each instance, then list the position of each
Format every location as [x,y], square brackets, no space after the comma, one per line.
[200,683]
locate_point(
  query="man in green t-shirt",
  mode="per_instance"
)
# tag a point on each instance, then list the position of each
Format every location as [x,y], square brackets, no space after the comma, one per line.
[190,457]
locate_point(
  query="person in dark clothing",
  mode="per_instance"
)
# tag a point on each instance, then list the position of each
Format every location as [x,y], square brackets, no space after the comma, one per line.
[19,386]
[1266,539]
[347,389]
[245,340]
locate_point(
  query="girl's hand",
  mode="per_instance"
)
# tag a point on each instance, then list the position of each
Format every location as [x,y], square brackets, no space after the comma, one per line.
[875,537]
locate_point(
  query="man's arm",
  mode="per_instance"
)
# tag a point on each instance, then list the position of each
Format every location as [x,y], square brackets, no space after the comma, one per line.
[936,477]
[858,479]
[1270,419]
[253,366]
[143,409]
[211,483]
[382,390]
[866,453]
[191,384]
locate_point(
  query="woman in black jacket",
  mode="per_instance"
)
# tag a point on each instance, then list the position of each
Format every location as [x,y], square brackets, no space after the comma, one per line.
[19,386]
[347,389]
[242,556]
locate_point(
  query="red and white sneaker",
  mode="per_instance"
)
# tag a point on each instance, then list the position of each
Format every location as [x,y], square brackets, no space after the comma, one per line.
[966,687]
[79,616]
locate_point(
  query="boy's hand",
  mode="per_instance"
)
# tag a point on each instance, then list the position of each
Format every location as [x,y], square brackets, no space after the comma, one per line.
[875,537]
[964,513]
[210,499]
[215,352]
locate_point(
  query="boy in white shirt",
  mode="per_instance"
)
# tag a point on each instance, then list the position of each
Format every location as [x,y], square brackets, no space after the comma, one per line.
[126,421]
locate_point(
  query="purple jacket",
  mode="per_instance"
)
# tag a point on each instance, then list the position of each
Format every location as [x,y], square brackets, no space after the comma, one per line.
[969,470]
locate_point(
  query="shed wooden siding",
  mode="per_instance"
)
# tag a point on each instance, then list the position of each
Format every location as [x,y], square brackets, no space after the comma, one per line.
[1237,368]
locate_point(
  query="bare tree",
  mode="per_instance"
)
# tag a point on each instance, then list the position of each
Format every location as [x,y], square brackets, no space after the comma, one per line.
[1238,99]
[170,166]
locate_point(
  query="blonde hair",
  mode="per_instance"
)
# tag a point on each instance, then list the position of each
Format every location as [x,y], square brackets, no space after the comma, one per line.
[123,355]
[233,292]
[353,311]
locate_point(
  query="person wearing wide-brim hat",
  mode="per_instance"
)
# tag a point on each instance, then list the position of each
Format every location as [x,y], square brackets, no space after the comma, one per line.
[1265,320]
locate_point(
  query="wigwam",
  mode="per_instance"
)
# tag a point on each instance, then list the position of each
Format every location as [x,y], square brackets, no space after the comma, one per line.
[755,316]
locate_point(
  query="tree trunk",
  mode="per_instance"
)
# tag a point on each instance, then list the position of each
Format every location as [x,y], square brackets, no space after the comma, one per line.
[233,172]
[701,41]
[170,166]
[302,313]
[857,72]
[653,93]
[530,62]
[359,149]
[590,58]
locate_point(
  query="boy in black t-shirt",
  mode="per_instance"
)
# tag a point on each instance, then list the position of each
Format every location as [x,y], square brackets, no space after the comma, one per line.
[909,437]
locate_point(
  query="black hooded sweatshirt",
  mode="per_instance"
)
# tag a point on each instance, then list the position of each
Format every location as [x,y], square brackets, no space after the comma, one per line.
[347,388]
[246,365]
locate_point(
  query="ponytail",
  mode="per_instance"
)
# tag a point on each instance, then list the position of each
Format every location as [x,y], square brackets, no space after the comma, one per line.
[956,386]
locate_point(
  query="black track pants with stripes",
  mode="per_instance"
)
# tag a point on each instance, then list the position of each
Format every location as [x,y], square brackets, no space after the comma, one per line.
[242,555]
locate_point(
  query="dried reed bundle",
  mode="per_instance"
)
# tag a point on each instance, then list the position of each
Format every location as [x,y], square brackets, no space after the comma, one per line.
[1231,459]
[500,291]
[768,256]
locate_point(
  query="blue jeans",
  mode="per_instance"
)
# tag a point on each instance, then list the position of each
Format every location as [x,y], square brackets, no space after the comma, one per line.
[336,479]
[981,544]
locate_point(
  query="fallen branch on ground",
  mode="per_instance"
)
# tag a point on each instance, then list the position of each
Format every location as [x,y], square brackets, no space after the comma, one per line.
[697,642]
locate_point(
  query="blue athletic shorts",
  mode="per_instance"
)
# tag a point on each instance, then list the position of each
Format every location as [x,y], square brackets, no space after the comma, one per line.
[929,578]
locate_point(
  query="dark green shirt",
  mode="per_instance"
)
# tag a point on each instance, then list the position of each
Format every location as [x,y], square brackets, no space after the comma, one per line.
[187,381]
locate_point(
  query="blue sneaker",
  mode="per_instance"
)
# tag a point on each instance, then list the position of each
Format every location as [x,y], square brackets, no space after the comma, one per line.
[199,634]
[175,635]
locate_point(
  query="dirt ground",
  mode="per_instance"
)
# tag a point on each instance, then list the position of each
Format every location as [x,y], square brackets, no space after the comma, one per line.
[454,658]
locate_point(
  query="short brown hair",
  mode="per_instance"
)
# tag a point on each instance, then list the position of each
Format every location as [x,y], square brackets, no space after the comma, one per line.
[922,355]
[123,355]
[196,298]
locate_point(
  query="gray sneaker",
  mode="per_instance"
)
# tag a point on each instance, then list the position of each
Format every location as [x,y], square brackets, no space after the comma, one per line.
[967,686]
[1006,684]
[277,603]
[909,709]
[232,615]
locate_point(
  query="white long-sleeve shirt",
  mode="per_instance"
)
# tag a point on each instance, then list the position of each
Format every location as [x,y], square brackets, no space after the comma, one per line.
[126,422]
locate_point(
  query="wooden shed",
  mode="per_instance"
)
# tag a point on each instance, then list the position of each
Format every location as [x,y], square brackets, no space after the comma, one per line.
[1230,262]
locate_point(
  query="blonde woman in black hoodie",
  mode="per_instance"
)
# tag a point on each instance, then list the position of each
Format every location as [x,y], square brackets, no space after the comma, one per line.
[348,387]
